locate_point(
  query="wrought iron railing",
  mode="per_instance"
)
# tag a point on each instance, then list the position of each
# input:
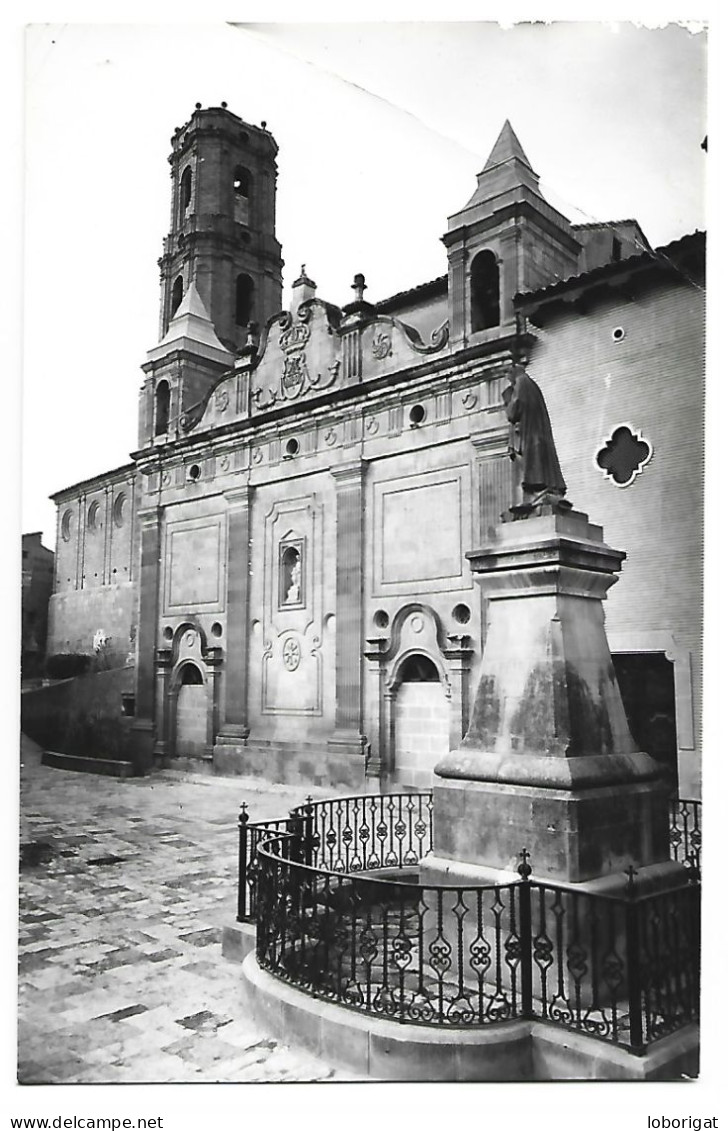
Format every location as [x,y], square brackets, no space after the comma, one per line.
[686,832]
[623,968]
[620,967]
[346,834]
[423,954]
[394,830]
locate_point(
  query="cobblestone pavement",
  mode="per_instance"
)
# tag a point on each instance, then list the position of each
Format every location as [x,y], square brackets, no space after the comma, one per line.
[124,890]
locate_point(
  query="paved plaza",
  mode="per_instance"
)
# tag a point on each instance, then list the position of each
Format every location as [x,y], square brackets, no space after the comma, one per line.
[124,890]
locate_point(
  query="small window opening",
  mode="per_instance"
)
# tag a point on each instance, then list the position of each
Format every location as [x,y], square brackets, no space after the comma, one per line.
[291,448]
[484,292]
[128,703]
[176,295]
[119,509]
[461,614]
[616,250]
[243,299]
[419,669]
[190,674]
[241,182]
[417,415]
[161,409]
[185,190]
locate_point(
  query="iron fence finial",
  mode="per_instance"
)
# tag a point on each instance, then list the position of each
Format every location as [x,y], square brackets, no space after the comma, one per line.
[524,868]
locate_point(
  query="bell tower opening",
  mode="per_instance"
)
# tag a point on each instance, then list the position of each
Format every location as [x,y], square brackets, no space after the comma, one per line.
[176,296]
[161,409]
[241,190]
[484,292]
[244,287]
[185,192]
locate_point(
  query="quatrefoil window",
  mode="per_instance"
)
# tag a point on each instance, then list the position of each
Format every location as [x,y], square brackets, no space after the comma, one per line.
[624,455]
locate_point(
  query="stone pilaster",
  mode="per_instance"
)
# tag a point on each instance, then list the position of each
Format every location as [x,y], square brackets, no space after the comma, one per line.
[457,257]
[149,573]
[511,271]
[235,728]
[375,652]
[213,662]
[81,542]
[458,653]
[349,479]
[497,480]
[163,706]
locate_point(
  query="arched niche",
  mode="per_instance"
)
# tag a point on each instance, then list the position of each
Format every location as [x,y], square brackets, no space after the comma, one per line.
[188,694]
[418,652]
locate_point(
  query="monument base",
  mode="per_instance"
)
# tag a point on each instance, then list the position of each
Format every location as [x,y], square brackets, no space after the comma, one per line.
[571,835]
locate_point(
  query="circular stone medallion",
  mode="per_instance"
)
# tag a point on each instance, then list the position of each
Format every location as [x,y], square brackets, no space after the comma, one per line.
[291,654]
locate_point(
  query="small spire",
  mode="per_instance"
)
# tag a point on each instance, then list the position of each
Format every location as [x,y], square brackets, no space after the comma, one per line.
[303,279]
[506,148]
[303,290]
[359,286]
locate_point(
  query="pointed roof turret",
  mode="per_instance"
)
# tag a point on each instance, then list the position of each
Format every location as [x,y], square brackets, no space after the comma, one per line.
[506,206]
[506,172]
[191,328]
[506,148]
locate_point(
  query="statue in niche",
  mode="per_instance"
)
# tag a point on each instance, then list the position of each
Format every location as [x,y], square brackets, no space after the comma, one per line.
[290,580]
[531,443]
[293,596]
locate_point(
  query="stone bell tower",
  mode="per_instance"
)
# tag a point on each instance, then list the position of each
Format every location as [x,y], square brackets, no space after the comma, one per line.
[222,227]
[506,239]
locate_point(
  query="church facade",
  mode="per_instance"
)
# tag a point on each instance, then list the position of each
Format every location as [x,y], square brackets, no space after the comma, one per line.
[284,558]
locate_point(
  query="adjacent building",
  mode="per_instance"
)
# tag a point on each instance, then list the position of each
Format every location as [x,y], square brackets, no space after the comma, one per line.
[37,586]
[284,556]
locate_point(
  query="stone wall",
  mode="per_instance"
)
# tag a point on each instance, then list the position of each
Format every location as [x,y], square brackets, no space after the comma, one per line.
[75,618]
[96,550]
[640,363]
[83,715]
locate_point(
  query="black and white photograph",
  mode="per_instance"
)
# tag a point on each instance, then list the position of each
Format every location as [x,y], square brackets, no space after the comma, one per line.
[362,461]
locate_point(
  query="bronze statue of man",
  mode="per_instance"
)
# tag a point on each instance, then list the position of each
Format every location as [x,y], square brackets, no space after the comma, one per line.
[531,441]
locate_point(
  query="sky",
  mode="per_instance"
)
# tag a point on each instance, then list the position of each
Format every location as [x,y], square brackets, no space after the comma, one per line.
[382,129]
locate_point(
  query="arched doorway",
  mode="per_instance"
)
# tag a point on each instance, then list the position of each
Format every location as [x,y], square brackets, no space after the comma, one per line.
[191,715]
[421,721]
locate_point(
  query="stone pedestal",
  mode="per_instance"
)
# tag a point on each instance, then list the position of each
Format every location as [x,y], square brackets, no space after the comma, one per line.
[548,762]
